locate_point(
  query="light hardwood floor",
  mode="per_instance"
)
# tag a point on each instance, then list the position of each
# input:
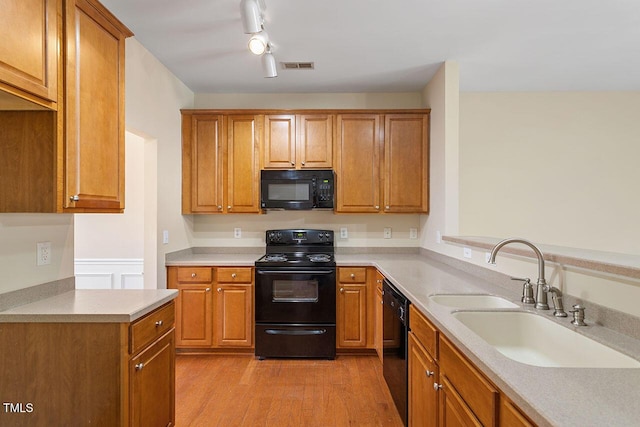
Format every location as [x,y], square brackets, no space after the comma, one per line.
[213,390]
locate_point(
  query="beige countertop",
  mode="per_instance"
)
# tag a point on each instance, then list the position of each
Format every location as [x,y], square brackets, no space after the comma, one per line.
[93,306]
[550,396]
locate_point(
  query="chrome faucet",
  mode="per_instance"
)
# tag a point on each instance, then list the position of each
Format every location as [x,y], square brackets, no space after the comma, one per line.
[541,301]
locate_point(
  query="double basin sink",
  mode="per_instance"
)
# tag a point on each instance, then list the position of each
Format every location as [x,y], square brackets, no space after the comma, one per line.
[530,338]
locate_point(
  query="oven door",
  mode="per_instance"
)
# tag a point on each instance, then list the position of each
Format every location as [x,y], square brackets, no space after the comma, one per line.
[295,295]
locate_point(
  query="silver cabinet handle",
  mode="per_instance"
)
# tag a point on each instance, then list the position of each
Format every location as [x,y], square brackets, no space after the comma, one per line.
[207,290]
[377,207]
[159,323]
[193,274]
[139,366]
[219,207]
[234,275]
[293,163]
[74,198]
[386,207]
[342,290]
[302,163]
[429,373]
[353,276]
[229,207]
[219,289]
[437,386]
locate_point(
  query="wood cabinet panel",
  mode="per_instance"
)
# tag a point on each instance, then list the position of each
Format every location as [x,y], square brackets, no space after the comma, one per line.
[358,165]
[352,275]
[29,49]
[423,397]
[202,149]
[424,331]
[406,163]
[243,163]
[315,141]
[234,315]
[94,105]
[351,313]
[194,305]
[152,374]
[454,411]
[480,396]
[279,141]
[235,274]
[148,329]
[511,416]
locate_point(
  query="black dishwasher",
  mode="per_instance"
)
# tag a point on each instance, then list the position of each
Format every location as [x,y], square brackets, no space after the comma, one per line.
[395,316]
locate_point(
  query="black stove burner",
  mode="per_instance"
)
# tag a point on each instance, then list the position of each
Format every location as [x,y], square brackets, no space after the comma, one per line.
[319,257]
[275,258]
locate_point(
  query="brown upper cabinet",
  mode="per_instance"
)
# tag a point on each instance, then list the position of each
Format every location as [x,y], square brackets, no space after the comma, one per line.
[380,157]
[382,163]
[68,157]
[298,141]
[29,50]
[220,162]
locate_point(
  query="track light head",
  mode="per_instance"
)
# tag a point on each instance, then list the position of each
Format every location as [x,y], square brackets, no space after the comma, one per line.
[258,43]
[251,14]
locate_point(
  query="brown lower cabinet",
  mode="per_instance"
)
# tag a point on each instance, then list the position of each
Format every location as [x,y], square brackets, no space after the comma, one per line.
[214,307]
[446,389]
[104,374]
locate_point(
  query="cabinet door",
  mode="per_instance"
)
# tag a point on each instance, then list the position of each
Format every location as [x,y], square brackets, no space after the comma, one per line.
[234,315]
[152,391]
[406,162]
[315,141]
[351,321]
[195,316]
[423,397]
[243,163]
[202,164]
[511,416]
[358,162]
[279,141]
[29,47]
[379,323]
[453,410]
[94,128]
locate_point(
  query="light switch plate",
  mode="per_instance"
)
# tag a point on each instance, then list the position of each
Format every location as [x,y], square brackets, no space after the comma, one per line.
[466,252]
[413,233]
[387,232]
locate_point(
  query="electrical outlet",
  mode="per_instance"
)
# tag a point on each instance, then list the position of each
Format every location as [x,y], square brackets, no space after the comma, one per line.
[344,234]
[438,237]
[165,237]
[466,252]
[413,233]
[43,251]
[387,232]
[237,232]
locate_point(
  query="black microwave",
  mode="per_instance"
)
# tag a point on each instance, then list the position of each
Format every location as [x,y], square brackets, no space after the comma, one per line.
[296,189]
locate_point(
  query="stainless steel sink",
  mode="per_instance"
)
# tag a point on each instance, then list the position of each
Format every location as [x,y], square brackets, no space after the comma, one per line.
[536,340]
[472,301]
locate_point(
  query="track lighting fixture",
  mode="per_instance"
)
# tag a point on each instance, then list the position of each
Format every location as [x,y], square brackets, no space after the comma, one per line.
[269,64]
[251,14]
[258,43]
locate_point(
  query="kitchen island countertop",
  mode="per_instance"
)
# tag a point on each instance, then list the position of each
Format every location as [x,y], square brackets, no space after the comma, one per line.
[90,306]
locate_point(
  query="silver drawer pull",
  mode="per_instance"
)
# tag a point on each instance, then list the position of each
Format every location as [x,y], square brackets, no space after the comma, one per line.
[437,386]
[139,366]
[429,373]
[353,276]
[159,323]
[193,274]
[233,275]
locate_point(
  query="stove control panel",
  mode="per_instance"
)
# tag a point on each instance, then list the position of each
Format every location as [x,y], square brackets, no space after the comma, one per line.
[299,237]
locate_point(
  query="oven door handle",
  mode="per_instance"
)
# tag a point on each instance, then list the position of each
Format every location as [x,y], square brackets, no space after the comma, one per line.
[266,272]
[295,331]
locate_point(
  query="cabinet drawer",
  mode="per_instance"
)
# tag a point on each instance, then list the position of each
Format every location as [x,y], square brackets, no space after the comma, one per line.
[480,395]
[194,274]
[151,327]
[424,330]
[352,274]
[234,275]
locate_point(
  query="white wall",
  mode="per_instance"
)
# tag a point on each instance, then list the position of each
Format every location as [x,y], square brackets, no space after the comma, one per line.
[555,168]
[154,97]
[558,168]
[19,234]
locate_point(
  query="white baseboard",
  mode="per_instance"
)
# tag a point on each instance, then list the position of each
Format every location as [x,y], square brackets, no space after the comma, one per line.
[95,273]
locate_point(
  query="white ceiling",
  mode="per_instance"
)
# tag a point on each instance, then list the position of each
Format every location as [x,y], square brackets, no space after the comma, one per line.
[396,45]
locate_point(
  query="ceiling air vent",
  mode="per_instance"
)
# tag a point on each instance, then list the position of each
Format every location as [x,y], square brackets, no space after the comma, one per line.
[297,65]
